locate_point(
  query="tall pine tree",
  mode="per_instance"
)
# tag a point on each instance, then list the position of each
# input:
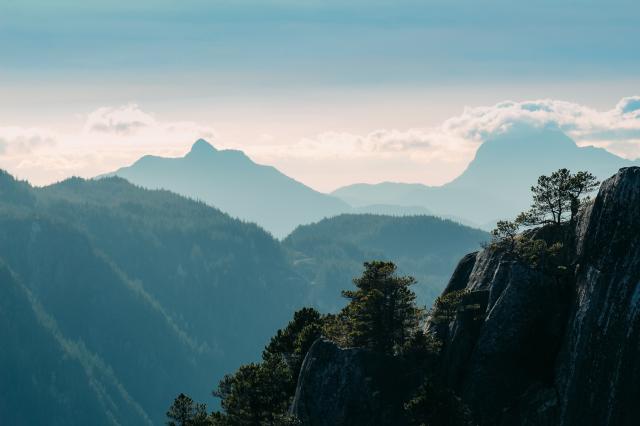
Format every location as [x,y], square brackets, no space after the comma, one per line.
[382,313]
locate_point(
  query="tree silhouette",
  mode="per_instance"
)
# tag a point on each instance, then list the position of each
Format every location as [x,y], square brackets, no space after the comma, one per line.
[261,393]
[558,195]
[185,412]
[382,313]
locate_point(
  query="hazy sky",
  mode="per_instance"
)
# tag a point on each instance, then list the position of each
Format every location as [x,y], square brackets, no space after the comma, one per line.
[331,92]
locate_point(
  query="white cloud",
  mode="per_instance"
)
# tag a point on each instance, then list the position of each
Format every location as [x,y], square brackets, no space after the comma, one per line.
[115,136]
[458,137]
[110,137]
[123,120]
[23,140]
[130,123]
[629,105]
[438,154]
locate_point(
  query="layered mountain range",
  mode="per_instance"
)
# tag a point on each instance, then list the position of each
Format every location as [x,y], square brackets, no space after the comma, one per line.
[114,297]
[496,183]
[230,181]
[113,294]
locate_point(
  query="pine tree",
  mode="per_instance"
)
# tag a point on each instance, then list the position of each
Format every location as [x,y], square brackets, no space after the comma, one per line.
[255,394]
[557,195]
[185,412]
[382,312]
[261,393]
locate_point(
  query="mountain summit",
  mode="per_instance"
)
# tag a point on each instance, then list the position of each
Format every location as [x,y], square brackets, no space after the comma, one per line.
[232,182]
[496,183]
[201,147]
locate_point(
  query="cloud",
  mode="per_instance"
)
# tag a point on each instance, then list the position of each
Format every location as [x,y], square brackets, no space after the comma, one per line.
[420,144]
[438,154]
[130,121]
[122,120]
[617,129]
[629,105]
[21,140]
[115,136]
[109,138]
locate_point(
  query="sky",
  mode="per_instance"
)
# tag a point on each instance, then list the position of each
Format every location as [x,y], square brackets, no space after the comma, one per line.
[330,92]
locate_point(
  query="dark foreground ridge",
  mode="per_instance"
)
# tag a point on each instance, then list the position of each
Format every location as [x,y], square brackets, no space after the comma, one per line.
[545,344]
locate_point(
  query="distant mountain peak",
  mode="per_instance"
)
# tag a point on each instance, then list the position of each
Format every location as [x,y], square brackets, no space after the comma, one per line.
[229,180]
[201,146]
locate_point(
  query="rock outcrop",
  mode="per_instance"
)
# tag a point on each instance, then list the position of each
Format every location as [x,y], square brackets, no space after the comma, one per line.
[348,387]
[549,350]
[555,348]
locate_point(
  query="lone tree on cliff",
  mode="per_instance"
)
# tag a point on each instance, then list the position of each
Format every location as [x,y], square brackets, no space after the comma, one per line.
[557,196]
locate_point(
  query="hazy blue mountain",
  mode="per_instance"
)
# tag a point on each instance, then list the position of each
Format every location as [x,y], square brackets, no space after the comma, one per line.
[331,252]
[230,181]
[113,297]
[496,183]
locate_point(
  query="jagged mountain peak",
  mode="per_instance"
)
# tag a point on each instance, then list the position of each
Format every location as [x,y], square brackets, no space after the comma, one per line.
[204,152]
[201,147]
[229,180]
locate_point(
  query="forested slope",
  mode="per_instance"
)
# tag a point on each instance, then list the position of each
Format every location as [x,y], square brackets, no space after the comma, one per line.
[148,289]
[331,252]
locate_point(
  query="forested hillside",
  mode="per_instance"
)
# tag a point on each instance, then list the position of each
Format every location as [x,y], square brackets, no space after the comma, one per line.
[516,338]
[128,294]
[114,296]
[331,252]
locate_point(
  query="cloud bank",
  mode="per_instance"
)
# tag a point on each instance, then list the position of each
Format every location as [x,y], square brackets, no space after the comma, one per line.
[439,154]
[111,137]
[617,130]
[130,123]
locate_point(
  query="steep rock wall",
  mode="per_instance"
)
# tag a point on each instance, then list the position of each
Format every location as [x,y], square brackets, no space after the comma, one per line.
[556,351]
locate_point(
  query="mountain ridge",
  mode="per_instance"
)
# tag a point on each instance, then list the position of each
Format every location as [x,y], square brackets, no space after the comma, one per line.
[231,181]
[495,183]
[151,288]
[153,292]
[329,253]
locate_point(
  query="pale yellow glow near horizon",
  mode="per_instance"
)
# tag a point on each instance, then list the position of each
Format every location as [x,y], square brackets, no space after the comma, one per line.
[326,140]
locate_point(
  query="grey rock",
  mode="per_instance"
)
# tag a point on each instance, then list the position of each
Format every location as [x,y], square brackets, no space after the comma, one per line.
[556,351]
[541,347]
[598,373]
[348,387]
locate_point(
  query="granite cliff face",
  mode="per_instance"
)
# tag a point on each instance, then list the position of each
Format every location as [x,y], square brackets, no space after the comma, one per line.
[555,350]
[536,347]
[348,386]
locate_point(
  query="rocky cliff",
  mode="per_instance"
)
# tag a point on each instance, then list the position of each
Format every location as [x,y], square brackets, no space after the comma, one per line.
[549,349]
[348,387]
[539,345]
